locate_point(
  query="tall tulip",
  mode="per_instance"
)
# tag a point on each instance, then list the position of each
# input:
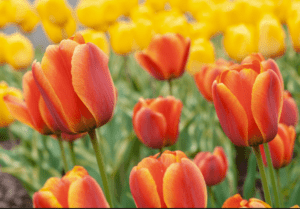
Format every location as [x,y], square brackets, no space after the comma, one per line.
[171,180]
[237,201]
[290,113]
[156,121]
[76,189]
[212,166]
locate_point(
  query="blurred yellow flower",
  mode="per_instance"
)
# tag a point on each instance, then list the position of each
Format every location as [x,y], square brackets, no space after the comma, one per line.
[202,30]
[179,4]
[282,9]
[271,37]
[201,52]
[239,41]
[143,33]
[3,44]
[20,51]
[142,12]
[5,117]
[157,5]
[201,9]
[7,13]
[293,23]
[97,38]
[126,6]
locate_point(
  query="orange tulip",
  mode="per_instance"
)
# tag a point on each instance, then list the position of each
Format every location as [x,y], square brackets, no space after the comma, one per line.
[289,114]
[33,111]
[171,180]
[206,76]
[213,166]
[75,82]
[237,201]
[156,121]
[281,147]
[76,189]
[248,100]
[166,56]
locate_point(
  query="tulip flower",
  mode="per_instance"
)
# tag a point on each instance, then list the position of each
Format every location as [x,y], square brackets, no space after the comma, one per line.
[281,147]
[239,41]
[293,23]
[248,100]
[142,12]
[206,76]
[201,30]
[20,51]
[166,56]
[6,118]
[143,33]
[76,189]
[212,166]
[290,114]
[7,13]
[156,5]
[88,98]
[171,180]
[156,121]
[3,44]
[237,201]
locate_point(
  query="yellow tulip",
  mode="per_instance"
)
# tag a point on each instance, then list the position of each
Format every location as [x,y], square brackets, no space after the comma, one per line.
[7,13]
[3,51]
[223,16]
[20,51]
[97,38]
[126,6]
[282,9]
[30,21]
[179,4]
[271,41]
[239,41]
[143,33]
[200,8]
[142,12]
[122,38]
[293,23]
[201,52]
[5,117]
[202,30]
[157,5]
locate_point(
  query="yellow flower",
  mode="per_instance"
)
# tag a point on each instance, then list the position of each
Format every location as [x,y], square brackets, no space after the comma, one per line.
[5,117]
[7,13]
[143,33]
[97,38]
[157,5]
[3,51]
[282,9]
[20,51]
[201,30]
[179,4]
[239,41]
[141,12]
[201,52]
[126,5]
[271,41]
[200,9]
[293,23]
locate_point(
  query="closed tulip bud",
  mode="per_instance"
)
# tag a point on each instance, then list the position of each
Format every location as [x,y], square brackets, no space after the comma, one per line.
[156,5]
[202,52]
[30,21]
[171,180]
[156,121]
[98,38]
[4,45]
[143,33]
[290,114]
[212,166]
[76,189]
[201,9]
[20,51]
[281,147]
[7,13]
[201,30]
[174,24]
[88,98]
[237,201]
[126,6]
[248,100]
[239,41]
[142,12]
[6,118]
[271,40]
[293,23]
[165,57]
[282,9]
[206,76]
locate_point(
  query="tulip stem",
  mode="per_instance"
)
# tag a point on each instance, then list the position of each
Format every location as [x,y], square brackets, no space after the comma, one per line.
[272,174]
[279,189]
[212,199]
[262,174]
[71,146]
[161,150]
[170,87]
[100,163]
[62,150]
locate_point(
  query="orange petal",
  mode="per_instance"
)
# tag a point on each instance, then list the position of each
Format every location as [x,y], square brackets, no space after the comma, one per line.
[289,114]
[231,114]
[266,105]
[143,189]
[47,117]
[271,64]
[93,83]
[184,186]
[233,202]
[151,127]
[276,147]
[86,193]
[200,80]
[45,200]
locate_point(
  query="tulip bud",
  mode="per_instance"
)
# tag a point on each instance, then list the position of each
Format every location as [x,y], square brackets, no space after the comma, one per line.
[293,23]
[171,180]
[166,56]
[141,12]
[4,45]
[289,114]
[156,121]
[7,13]
[76,189]
[156,5]
[143,33]
[237,201]
[212,166]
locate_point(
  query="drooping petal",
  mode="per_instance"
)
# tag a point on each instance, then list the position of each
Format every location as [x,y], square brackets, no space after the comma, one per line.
[231,114]
[45,200]
[92,83]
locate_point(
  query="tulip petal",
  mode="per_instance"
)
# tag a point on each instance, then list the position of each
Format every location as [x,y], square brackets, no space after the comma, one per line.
[86,193]
[276,147]
[184,186]
[233,202]
[231,114]
[143,189]
[93,83]
[200,80]
[271,64]
[266,105]
[187,44]
[45,199]
[150,127]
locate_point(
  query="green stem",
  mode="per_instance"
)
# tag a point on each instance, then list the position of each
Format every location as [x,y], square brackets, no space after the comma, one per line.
[100,163]
[212,199]
[272,174]
[170,87]
[62,150]
[262,174]
[161,150]
[73,156]
[279,189]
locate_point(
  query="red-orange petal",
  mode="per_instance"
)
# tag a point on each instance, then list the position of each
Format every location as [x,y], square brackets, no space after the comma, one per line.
[271,64]
[233,202]
[45,199]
